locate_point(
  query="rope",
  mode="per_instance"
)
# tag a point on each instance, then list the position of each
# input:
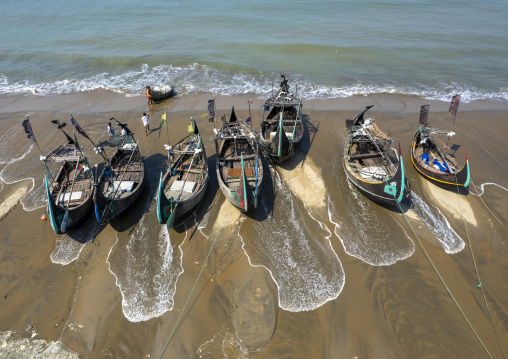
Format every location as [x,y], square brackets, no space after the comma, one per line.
[472,254]
[442,281]
[477,272]
[188,217]
[195,283]
[485,204]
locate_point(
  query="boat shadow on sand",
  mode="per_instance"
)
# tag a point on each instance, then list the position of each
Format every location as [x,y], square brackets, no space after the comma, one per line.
[269,191]
[85,231]
[267,196]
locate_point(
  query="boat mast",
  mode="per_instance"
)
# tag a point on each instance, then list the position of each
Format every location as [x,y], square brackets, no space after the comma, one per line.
[454,106]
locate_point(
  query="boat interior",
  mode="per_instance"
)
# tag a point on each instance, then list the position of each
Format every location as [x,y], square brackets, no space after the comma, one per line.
[370,163]
[231,164]
[133,176]
[81,190]
[429,156]
[188,172]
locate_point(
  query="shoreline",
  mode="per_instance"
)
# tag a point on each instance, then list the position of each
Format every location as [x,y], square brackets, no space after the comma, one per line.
[110,101]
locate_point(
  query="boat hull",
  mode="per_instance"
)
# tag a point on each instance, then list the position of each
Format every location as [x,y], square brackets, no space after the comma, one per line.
[183,207]
[239,166]
[108,208]
[79,208]
[159,96]
[448,181]
[270,149]
[389,192]
[372,165]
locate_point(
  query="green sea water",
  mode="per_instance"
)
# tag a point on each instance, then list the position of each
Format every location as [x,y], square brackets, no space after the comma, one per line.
[331,49]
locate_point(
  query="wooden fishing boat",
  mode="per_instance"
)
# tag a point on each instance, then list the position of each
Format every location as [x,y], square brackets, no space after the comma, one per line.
[69,194]
[281,129]
[440,168]
[122,180]
[184,184]
[239,167]
[161,93]
[372,164]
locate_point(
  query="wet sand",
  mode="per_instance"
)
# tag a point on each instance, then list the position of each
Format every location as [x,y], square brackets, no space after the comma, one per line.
[245,303]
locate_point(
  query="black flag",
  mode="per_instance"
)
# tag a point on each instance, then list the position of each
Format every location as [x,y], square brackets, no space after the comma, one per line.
[196,131]
[78,128]
[424,113]
[28,130]
[454,106]
[211,105]
[233,116]
[76,143]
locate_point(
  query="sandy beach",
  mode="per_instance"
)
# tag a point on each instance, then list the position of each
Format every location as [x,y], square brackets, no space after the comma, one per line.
[318,271]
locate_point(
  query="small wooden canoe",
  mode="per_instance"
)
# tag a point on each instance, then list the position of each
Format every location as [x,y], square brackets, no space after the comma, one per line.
[122,180]
[69,192]
[441,169]
[372,164]
[239,167]
[161,93]
[184,184]
[281,128]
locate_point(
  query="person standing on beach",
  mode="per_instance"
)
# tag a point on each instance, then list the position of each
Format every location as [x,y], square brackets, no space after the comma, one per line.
[144,119]
[149,95]
[111,130]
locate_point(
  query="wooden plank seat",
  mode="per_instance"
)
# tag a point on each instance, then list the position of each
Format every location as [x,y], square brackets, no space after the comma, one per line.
[364,155]
[245,158]
[234,174]
[76,197]
[192,170]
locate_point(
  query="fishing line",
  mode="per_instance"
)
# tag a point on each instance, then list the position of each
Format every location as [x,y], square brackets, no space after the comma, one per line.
[195,283]
[479,196]
[443,281]
[476,269]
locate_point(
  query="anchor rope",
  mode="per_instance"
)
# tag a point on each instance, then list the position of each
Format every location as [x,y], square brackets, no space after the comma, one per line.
[473,258]
[443,282]
[485,204]
[195,283]
[476,269]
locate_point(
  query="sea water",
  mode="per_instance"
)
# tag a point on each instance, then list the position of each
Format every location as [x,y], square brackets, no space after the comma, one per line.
[331,49]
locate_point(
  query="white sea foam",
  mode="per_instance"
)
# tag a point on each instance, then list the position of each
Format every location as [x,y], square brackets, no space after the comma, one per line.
[146,271]
[66,250]
[482,188]
[308,272]
[437,223]
[195,78]
[367,235]
[68,246]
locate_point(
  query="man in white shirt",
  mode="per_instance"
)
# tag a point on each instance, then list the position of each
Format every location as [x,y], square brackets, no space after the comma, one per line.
[144,119]
[111,130]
